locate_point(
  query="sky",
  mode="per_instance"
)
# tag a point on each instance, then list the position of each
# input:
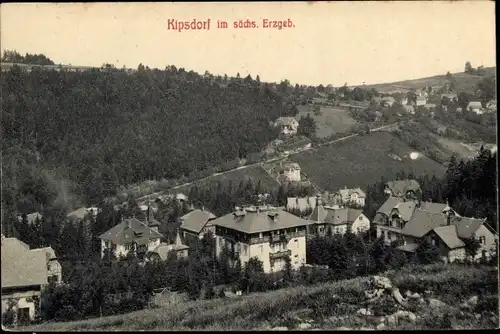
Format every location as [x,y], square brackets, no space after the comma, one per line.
[330,43]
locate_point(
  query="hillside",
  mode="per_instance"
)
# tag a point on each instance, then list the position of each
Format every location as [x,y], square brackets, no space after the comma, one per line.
[463,82]
[325,306]
[98,131]
[362,161]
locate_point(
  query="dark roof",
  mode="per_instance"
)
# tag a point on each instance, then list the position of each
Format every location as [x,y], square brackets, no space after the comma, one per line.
[255,221]
[422,222]
[334,216]
[466,227]
[389,204]
[449,236]
[195,220]
[401,187]
[122,233]
[406,209]
[21,266]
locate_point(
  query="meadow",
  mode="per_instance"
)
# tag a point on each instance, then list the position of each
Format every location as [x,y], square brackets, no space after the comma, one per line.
[329,120]
[326,306]
[463,82]
[361,161]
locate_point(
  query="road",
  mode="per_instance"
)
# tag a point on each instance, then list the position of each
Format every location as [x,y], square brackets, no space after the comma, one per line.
[144,198]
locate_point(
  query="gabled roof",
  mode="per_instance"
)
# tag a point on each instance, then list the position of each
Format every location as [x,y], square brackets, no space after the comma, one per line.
[253,221]
[195,220]
[400,187]
[433,207]
[449,236]
[422,222]
[346,193]
[335,216]
[290,165]
[49,252]
[20,266]
[466,227]
[285,120]
[406,209]
[123,233]
[389,204]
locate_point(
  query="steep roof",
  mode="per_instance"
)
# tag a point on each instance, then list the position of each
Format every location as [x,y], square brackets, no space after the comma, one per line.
[123,233]
[422,222]
[433,207]
[335,216]
[406,209]
[389,204]
[253,221]
[20,266]
[449,236]
[79,213]
[195,220]
[290,165]
[466,227]
[285,120]
[49,252]
[345,193]
[163,249]
[400,187]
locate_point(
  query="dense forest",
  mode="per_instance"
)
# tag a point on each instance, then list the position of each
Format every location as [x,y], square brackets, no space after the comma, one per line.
[83,134]
[32,59]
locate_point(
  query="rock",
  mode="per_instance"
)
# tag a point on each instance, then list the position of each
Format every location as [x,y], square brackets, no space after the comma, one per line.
[362,311]
[305,325]
[473,301]
[279,329]
[380,326]
[381,282]
[477,316]
[405,315]
[436,303]
[398,297]
[391,320]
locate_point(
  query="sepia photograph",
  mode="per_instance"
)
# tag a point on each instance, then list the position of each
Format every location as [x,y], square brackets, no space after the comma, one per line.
[249,166]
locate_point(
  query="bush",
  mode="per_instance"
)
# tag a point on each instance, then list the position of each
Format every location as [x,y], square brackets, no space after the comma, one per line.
[9,314]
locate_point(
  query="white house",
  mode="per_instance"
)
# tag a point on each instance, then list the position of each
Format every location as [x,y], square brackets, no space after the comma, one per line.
[290,172]
[421,101]
[288,125]
[354,196]
[131,235]
[268,233]
[476,107]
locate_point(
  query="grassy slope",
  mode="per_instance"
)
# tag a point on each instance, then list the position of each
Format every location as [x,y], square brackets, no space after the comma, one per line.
[254,173]
[362,161]
[322,303]
[331,120]
[464,82]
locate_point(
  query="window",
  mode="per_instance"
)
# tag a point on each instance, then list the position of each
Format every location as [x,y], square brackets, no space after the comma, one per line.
[321,229]
[128,247]
[261,249]
[106,244]
[245,249]
[23,315]
[482,240]
[296,243]
[221,242]
[113,247]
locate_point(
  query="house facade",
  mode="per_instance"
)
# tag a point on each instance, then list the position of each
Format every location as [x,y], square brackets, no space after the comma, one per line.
[476,107]
[197,223]
[407,222]
[301,203]
[402,188]
[131,235]
[290,172]
[268,233]
[161,252]
[25,274]
[328,220]
[350,196]
[288,125]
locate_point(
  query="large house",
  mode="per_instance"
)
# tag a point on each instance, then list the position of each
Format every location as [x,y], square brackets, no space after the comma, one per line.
[25,273]
[407,222]
[421,101]
[131,235]
[350,196]
[325,219]
[290,172]
[268,233]
[288,125]
[196,223]
[402,188]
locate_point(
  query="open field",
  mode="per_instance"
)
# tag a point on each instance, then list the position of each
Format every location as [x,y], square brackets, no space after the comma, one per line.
[362,161]
[254,173]
[464,82]
[461,149]
[330,121]
[326,306]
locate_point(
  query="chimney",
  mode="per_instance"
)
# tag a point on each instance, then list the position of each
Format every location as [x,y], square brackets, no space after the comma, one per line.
[318,200]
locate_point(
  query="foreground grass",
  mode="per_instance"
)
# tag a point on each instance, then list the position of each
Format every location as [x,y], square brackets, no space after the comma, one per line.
[328,305]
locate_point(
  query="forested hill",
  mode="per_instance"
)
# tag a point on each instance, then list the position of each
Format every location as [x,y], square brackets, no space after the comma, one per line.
[100,130]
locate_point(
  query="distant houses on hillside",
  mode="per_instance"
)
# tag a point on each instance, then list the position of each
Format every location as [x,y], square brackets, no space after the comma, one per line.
[288,125]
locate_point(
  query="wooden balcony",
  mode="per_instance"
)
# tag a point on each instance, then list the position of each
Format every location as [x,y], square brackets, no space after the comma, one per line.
[278,255]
